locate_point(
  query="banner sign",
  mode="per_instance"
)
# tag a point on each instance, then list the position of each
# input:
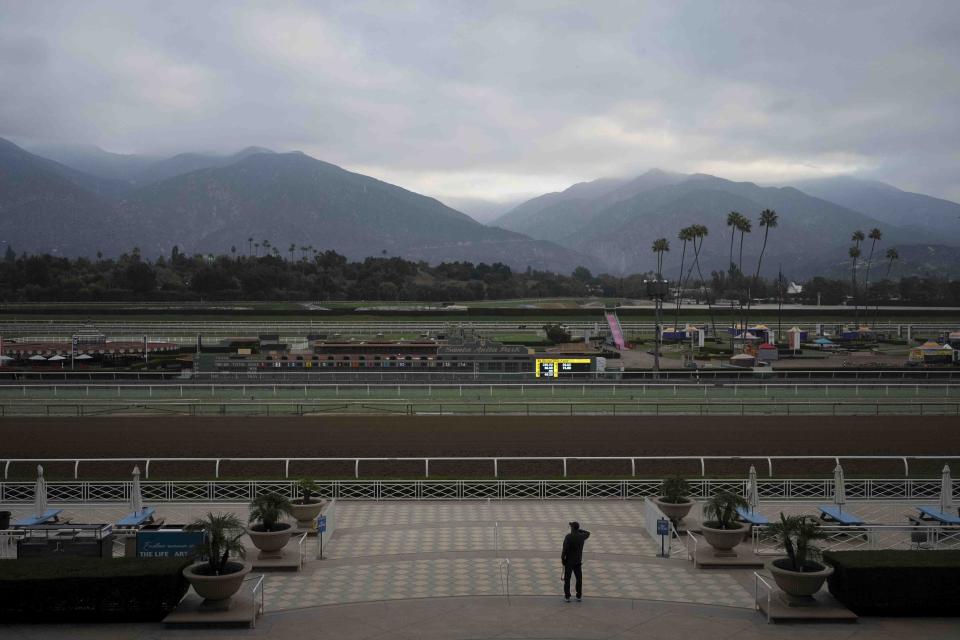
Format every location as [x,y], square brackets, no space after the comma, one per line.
[168,544]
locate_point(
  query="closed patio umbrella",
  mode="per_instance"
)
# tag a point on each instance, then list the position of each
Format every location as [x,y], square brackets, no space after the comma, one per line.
[753,495]
[946,490]
[136,500]
[839,487]
[40,494]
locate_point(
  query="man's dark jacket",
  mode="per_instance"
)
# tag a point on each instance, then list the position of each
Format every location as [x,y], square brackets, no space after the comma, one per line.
[573,547]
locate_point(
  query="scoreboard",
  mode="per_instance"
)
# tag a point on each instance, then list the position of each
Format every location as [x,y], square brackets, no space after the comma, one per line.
[556,367]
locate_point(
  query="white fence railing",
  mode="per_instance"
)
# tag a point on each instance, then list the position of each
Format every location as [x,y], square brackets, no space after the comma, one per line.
[167,491]
[636,464]
[869,537]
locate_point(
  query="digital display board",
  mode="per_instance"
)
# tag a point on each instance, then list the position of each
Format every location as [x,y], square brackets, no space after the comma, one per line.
[556,367]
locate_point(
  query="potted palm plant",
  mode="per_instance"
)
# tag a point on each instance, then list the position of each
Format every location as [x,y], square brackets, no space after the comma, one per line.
[217,577]
[800,574]
[306,508]
[674,500]
[720,527]
[267,532]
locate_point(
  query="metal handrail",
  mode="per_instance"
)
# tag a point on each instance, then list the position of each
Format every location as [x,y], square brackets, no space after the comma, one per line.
[426,460]
[302,549]
[692,556]
[757,581]
[257,587]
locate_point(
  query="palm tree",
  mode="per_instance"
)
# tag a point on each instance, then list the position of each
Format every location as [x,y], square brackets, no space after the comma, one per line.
[891,256]
[256,248]
[875,235]
[250,246]
[854,253]
[292,249]
[745,227]
[699,233]
[222,540]
[768,220]
[685,235]
[733,221]
[660,247]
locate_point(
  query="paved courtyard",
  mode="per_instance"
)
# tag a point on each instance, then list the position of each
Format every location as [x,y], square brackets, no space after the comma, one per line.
[491,569]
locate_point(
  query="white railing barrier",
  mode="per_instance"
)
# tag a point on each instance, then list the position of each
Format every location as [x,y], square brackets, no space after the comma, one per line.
[762,587]
[869,537]
[182,491]
[258,606]
[562,461]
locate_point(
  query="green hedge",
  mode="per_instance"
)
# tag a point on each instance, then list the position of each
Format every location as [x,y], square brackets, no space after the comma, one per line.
[91,589]
[896,583]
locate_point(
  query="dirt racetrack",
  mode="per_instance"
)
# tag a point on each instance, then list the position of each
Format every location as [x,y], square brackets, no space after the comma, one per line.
[437,436]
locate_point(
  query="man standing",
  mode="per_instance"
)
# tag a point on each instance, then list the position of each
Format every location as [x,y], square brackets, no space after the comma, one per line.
[572,559]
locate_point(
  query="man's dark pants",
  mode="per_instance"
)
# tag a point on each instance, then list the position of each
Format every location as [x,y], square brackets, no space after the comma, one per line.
[577,570]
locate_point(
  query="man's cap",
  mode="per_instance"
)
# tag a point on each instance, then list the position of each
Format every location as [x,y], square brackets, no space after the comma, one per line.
[575,524]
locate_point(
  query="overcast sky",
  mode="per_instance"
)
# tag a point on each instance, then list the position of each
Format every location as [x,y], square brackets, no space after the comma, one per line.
[502,100]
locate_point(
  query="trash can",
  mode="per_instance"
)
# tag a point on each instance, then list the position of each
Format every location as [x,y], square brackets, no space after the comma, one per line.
[5,520]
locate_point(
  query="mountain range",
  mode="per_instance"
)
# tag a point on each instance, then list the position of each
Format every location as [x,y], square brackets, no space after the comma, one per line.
[616,221]
[81,200]
[208,204]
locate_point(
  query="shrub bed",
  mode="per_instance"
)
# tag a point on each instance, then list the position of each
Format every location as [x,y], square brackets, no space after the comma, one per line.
[896,583]
[91,589]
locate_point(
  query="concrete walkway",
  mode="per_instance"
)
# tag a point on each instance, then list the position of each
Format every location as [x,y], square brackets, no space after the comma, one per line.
[525,617]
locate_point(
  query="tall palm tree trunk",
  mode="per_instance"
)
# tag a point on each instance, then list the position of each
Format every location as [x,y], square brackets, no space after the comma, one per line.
[756,275]
[866,281]
[676,313]
[696,261]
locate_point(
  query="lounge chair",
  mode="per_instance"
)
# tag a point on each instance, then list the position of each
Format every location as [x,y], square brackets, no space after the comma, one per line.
[48,516]
[834,515]
[752,517]
[934,513]
[137,518]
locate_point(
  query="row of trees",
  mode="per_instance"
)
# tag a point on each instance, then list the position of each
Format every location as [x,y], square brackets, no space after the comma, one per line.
[329,276]
[739,289]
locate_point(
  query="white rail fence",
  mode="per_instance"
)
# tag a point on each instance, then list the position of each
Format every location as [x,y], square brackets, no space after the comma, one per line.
[173,491]
[562,462]
[870,537]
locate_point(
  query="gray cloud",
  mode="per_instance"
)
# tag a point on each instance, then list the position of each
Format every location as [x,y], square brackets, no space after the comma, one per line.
[496,100]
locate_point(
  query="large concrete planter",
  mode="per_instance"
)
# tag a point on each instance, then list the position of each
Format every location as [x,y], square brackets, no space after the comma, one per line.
[270,543]
[724,540]
[306,514]
[798,587]
[216,591]
[676,511]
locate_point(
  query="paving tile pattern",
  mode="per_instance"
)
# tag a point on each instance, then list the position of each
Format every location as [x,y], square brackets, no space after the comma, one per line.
[674,582]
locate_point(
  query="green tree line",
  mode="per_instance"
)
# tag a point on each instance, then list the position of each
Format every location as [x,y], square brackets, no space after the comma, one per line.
[329,276]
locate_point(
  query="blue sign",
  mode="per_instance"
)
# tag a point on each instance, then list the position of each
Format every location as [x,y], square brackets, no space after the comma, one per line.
[663,527]
[168,544]
[321,524]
